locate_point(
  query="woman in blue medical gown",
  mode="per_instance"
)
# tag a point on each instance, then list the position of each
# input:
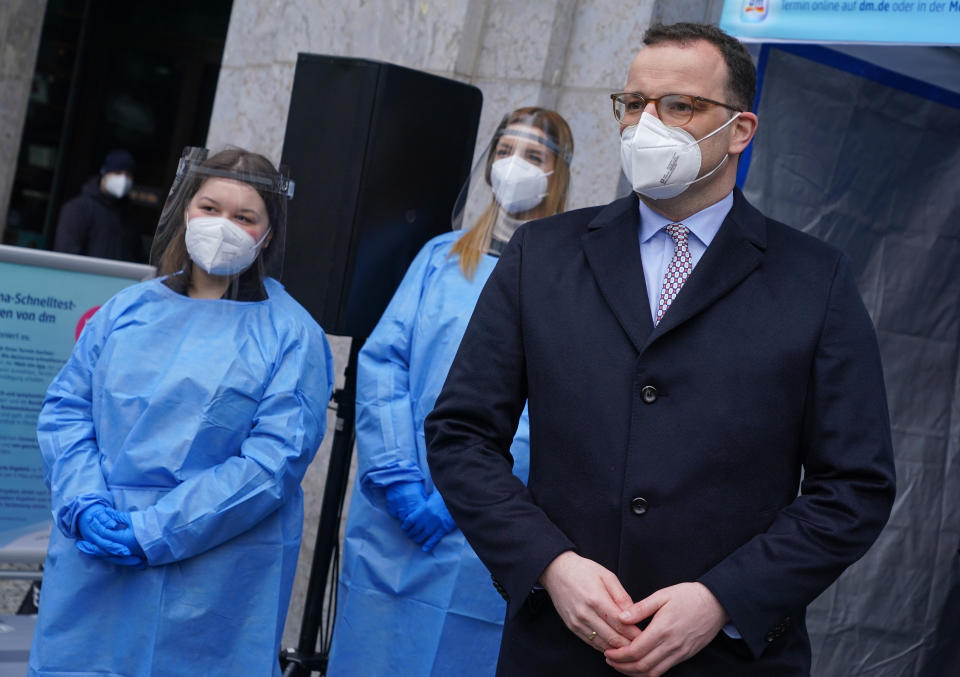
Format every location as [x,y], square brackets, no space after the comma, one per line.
[174,441]
[413,598]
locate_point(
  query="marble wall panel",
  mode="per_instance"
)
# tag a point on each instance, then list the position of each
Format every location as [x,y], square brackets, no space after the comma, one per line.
[517,38]
[596,162]
[422,34]
[606,36]
[20,24]
[250,109]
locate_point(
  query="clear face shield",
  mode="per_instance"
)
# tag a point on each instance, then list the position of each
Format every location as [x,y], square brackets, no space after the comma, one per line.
[226,214]
[523,174]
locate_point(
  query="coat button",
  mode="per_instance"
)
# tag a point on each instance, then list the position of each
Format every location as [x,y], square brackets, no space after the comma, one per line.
[638,505]
[648,394]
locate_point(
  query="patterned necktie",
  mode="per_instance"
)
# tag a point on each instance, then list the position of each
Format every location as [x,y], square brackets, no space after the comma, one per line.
[679,269]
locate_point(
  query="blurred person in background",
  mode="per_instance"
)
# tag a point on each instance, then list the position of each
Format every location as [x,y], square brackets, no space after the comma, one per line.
[97,222]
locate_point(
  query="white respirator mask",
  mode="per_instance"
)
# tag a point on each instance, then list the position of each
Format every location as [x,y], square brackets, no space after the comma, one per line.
[517,184]
[661,162]
[220,246]
[117,185]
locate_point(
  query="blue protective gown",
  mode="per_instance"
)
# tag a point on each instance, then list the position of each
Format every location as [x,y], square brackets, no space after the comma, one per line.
[200,417]
[401,611]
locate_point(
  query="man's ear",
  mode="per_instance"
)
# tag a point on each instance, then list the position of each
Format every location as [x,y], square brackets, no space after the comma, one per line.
[744,128]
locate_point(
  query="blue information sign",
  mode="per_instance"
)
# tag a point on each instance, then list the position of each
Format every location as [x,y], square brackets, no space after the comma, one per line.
[924,22]
[45,298]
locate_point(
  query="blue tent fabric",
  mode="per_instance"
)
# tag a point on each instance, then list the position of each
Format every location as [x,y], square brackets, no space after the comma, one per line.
[944,655]
[199,417]
[871,164]
[402,611]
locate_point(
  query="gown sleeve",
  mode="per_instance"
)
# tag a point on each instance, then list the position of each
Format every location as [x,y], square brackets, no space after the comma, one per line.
[386,434]
[66,434]
[229,498]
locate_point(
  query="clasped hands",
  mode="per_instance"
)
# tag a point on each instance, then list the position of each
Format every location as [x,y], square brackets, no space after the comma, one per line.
[423,518]
[106,534]
[593,604]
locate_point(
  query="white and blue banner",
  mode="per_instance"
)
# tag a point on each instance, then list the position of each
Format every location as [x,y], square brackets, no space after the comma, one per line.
[917,22]
[45,298]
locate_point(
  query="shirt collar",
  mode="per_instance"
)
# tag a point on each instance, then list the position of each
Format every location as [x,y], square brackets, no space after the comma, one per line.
[704,224]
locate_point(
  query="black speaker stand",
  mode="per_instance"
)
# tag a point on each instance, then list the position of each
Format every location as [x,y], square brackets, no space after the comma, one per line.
[308,658]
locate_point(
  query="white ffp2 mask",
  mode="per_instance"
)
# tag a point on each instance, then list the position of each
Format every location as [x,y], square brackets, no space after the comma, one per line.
[220,246]
[517,184]
[659,161]
[117,185]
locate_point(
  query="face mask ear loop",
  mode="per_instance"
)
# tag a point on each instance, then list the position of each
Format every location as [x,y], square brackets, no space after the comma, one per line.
[265,233]
[725,156]
[721,163]
[701,178]
[718,129]
[547,175]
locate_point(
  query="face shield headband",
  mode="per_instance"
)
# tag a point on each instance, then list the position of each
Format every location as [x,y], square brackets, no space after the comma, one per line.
[544,139]
[274,185]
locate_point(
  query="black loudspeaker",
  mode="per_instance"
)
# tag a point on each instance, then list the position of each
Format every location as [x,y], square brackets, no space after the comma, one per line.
[378,153]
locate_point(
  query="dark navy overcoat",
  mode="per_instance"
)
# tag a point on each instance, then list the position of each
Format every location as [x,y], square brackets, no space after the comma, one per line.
[743,442]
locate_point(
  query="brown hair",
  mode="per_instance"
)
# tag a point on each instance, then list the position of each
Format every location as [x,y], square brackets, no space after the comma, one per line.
[741,82]
[472,244]
[241,162]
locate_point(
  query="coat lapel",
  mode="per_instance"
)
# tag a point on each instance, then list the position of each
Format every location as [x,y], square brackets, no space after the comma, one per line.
[734,253]
[612,249]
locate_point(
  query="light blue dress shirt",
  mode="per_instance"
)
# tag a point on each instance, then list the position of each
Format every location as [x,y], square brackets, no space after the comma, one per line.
[656,250]
[656,246]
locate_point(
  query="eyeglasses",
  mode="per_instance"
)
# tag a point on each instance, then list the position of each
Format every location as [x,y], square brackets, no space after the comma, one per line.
[674,110]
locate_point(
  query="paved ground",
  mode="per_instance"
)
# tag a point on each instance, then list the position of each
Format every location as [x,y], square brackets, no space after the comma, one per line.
[13,592]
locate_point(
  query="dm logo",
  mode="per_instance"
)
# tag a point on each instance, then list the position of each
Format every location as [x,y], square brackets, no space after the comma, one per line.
[753,11]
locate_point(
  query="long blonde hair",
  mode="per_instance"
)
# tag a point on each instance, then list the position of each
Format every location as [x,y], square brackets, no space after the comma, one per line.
[472,244]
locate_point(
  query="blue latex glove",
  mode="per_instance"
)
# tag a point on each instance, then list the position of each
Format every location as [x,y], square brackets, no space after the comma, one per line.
[103,536]
[429,523]
[95,526]
[123,533]
[88,548]
[403,498]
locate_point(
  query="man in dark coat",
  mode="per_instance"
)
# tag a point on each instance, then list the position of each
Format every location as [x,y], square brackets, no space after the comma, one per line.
[97,222]
[709,438]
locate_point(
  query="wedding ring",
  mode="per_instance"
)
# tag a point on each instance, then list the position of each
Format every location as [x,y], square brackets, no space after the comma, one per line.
[592,636]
